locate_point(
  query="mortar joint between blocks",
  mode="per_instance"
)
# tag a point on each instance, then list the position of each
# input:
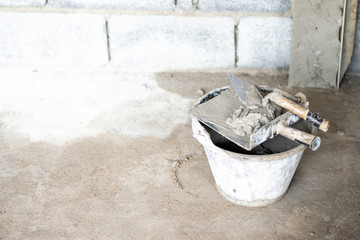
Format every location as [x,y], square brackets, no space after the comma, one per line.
[236,32]
[108,38]
[195,4]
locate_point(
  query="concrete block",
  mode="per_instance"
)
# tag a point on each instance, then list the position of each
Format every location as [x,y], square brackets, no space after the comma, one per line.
[245,5]
[185,4]
[115,4]
[53,39]
[22,3]
[264,42]
[166,42]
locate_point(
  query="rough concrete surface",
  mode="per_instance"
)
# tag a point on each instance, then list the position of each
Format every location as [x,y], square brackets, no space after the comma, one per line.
[114,186]
[53,39]
[165,42]
[315,48]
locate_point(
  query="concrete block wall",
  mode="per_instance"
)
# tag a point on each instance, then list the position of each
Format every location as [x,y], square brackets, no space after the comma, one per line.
[245,5]
[114,4]
[154,35]
[157,35]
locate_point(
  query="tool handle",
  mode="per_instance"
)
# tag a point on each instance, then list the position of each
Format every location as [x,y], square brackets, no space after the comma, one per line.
[313,142]
[298,98]
[306,114]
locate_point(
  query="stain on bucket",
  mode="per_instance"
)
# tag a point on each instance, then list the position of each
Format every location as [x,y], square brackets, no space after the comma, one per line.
[250,178]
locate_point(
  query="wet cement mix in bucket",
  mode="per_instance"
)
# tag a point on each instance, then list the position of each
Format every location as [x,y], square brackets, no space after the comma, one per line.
[252,114]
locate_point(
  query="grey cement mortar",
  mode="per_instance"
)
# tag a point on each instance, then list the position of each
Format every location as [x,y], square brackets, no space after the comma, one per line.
[252,114]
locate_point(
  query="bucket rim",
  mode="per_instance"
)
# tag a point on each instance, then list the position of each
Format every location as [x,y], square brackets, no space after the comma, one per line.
[265,157]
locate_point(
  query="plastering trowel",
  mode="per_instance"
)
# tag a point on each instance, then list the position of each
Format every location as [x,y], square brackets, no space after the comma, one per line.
[241,87]
[215,111]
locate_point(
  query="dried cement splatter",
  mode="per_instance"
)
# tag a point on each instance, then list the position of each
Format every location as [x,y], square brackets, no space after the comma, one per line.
[175,175]
[252,114]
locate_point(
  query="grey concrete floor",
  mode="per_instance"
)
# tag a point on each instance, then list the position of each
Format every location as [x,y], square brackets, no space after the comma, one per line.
[111,186]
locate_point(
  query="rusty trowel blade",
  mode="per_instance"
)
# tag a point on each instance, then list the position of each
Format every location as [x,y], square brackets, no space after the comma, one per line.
[240,86]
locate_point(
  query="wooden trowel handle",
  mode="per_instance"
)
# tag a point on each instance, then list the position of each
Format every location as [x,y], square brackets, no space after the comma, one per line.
[313,142]
[306,114]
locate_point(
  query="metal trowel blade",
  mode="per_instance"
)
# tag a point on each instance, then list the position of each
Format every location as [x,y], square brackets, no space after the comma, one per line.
[240,86]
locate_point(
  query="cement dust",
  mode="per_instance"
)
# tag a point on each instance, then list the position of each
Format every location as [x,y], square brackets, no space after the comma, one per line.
[252,113]
[57,106]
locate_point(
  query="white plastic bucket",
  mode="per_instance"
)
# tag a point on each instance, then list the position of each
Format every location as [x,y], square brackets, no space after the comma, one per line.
[248,180]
